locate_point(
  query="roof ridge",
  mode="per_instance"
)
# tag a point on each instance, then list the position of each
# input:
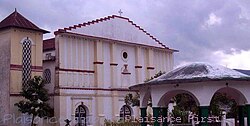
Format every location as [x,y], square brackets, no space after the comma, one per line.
[108,18]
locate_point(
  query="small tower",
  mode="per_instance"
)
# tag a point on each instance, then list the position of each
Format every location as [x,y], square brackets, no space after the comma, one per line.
[20,58]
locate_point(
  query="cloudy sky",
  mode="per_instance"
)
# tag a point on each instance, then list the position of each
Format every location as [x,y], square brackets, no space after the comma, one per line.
[214,31]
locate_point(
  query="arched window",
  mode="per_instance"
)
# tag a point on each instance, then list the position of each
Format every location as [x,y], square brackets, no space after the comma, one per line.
[125,112]
[26,61]
[47,76]
[80,116]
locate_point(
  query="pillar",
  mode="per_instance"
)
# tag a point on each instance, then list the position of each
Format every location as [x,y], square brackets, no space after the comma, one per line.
[165,116]
[241,115]
[203,115]
[150,63]
[99,76]
[143,116]
[248,114]
[113,73]
[138,67]
[156,113]
[223,119]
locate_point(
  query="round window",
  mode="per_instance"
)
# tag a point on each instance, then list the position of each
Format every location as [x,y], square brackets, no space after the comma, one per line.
[125,55]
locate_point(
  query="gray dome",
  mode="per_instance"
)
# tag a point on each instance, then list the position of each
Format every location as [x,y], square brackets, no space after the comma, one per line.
[200,72]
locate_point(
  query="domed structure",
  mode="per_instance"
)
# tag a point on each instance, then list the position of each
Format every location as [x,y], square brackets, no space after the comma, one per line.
[199,80]
[200,72]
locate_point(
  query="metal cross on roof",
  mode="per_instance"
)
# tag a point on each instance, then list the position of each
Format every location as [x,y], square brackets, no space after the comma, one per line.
[120,12]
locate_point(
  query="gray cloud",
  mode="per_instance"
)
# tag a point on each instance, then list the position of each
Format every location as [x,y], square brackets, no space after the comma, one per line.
[178,23]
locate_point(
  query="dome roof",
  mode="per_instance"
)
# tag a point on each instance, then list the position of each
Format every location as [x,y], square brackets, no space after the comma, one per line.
[201,70]
[198,72]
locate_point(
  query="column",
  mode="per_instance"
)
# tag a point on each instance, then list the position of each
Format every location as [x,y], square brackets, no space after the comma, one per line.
[156,114]
[223,118]
[203,115]
[241,115]
[143,116]
[150,67]
[165,116]
[138,67]
[248,114]
[99,74]
[113,65]
[98,64]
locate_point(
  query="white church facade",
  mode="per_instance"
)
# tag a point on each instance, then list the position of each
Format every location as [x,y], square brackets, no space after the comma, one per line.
[88,66]
[96,62]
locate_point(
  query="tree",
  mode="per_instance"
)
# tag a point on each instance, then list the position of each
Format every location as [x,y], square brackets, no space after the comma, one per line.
[221,101]
[155,76]
[35,102]
[135,100]
[185,102]
[132,100]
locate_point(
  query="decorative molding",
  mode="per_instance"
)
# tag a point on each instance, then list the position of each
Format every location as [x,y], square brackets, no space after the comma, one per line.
[150,68]
[19,95]
[75,70]
[108,18]
[138,66]
[98,62]
[90,37]
[84,98]
[126,73]
[27,38]
[100,89]
[20,68]
[113,64]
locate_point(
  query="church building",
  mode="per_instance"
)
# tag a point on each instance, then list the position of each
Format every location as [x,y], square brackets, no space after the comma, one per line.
[88,67]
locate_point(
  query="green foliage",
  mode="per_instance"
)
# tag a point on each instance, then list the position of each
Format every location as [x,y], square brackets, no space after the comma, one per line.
[155,76]
[36,97]
[178,112]
[185,102]
[220,101]
[132,100]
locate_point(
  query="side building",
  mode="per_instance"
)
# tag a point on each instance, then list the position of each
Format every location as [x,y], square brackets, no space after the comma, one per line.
[91,65]
[20,59]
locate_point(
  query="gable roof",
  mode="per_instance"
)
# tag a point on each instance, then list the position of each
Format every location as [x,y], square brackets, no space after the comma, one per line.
[84,28]
[16,20]
[49,44]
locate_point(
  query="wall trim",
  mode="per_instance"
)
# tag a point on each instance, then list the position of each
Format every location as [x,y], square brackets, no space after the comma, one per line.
[113,64]
[17,67]
[126,73]
[150,68]
[75,70]
[101,89]
[138,66]
[98,62]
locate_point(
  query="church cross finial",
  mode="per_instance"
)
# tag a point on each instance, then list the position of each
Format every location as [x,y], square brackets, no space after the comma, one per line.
[120,12]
